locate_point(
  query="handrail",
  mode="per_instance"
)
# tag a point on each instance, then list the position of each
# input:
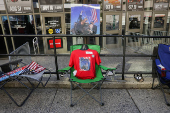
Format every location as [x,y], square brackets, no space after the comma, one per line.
[138,36]
[103,55]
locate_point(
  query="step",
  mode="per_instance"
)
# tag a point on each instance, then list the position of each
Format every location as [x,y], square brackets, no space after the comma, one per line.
[128,83]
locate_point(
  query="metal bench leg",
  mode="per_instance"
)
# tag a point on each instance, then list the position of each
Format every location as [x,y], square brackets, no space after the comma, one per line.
[19,105]
[153,83]
[167,103]
[71,105]
[86,93]
[160,84]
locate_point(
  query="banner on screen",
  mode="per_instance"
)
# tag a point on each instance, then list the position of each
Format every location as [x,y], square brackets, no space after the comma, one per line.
[85,19]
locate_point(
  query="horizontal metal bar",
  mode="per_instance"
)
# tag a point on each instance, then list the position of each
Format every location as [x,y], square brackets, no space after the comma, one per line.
[132,72]
[138,72]
[50,73]
[84,36]
[102,55]
[128,55]
[27,55]
[111,55]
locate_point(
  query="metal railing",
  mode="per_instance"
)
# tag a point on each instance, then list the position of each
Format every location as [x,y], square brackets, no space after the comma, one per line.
[124,55]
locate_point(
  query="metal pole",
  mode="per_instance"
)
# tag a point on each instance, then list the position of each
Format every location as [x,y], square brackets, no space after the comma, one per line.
[124,52]
[56,64]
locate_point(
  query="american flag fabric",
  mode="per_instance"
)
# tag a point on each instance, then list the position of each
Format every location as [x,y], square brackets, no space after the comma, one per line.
[33,68]
[93,15]
[17,71]
[90,12]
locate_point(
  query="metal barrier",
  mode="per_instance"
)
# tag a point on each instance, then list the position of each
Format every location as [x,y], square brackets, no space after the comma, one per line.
[149,43]
[124,55]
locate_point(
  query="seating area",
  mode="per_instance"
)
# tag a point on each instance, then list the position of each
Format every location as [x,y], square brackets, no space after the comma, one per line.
[19,68]
[22,63]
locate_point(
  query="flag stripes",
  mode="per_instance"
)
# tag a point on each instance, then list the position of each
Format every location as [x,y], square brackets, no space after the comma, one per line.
[90,13]
[34,68]
[94,15]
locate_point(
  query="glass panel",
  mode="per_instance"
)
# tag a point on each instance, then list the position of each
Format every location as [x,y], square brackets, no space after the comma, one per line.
[101,4]
[2,7]
[1,30]
[112,40]
[67,5]
[38,24]
[159,20]
[36,6]
[112,22]
[133,39]
[2,46]
[134,21]
[2,42]
[7,32]
[67,23]
[123,23]
[87,1]
[53,23]
[67,26]
[70,1]
[90,1]
[168,21]
[148,6]
[5,25]
[22,24]
[101,23]
[147,22]
[124,5]
[41,45]
[80,1]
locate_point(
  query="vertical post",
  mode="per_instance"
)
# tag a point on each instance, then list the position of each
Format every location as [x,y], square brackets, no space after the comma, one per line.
[124,52]
[55,55]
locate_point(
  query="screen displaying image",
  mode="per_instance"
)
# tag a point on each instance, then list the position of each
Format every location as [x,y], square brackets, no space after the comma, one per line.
[85,19]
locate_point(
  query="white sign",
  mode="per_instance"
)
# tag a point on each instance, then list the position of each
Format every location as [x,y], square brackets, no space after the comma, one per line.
[19,6]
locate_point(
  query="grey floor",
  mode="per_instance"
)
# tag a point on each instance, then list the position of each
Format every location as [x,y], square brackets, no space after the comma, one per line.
[56,100]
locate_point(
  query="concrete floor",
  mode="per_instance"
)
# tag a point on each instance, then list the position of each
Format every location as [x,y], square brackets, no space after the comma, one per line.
[57,100]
